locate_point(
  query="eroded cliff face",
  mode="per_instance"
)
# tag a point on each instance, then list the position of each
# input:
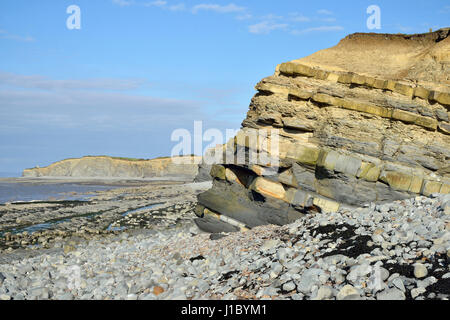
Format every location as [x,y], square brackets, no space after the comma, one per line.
[365,121]
[185,168]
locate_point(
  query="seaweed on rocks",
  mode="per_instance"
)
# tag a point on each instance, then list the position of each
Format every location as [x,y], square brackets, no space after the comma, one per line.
[228,275]
[352,248]
[405,270]
[335,230]
[353,245]
[199,257]
[440,266]
[441,286]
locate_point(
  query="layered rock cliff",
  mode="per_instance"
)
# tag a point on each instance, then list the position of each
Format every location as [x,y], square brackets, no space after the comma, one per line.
[185,168]
[365,121]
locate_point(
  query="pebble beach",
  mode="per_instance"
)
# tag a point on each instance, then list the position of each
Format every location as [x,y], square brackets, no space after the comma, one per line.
[391,251]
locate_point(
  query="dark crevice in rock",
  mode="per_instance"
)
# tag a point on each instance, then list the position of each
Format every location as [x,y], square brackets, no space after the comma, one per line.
[323,173]
[262,93]
[255,196]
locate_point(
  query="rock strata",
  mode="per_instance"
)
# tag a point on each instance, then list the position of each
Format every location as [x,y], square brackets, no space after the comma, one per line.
[365,121]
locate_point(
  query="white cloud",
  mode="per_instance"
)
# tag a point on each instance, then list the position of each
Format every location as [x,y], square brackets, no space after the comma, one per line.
[296,17]
[28,102]
[165,5]
[318,29]
[123,3]
[445,9]
[245,16]
[271,16]
[266,27]
[229,8]
[177,7]
[88,109]
[324,12]
[267,24]
[157,3]
[40,82]
[9,36]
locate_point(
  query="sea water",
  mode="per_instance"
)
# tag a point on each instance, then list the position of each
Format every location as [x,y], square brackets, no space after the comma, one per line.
[24,192]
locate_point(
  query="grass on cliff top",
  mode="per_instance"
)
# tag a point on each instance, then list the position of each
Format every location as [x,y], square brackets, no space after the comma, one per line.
[133,159]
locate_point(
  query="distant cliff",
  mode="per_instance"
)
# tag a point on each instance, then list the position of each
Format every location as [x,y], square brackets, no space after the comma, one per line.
[184,168]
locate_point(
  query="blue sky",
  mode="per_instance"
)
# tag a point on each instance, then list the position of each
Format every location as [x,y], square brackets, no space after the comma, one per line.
[138,69]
